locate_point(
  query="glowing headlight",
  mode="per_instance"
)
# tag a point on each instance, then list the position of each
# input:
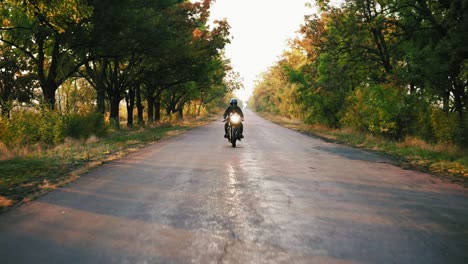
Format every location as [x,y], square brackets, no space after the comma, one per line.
[235,119]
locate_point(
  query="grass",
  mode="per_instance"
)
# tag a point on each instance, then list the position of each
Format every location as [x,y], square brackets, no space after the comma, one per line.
[445,161]
[29,172]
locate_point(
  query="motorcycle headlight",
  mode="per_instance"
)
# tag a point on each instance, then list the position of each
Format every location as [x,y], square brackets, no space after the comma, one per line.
[235,119]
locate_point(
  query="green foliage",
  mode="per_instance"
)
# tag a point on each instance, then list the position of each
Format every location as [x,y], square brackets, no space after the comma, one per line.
[76,96]
[48,128]
[50,35]
[390,68]
[58,14]
[279,91]
[3,130]
[132,50]
[375,109]
[16,80]
[33,127]
[444,126]
[415,118]
[84,126]
[323,107]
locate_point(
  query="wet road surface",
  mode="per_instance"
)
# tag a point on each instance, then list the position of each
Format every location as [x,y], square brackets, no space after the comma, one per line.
[280,197]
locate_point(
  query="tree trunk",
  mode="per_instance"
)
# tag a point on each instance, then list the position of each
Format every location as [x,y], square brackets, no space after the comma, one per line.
[100,98]
[150,101]
[114,110]
[379,39]
[201,103]
[181,112]
[382,49]
[130,103]
[50,84]
[157,107]
[114,93]
[139,106]
[168,110]
[446,101]
[96,74]
[48,90]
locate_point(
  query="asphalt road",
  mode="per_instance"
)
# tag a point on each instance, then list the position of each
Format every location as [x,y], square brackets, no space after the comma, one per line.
[279,197]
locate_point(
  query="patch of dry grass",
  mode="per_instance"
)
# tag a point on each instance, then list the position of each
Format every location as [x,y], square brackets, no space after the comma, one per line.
[5,202]
[5,153]
[447,147]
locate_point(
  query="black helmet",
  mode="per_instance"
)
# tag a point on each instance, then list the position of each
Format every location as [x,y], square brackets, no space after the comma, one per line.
[233,101]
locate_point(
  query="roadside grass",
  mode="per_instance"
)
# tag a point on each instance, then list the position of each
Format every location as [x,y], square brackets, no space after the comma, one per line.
[29,172]
[445,161]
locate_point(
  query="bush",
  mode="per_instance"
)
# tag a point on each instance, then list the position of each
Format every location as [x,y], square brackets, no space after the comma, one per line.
[418,120]
[324,108]
[3,128]
[32,127]
[47,127]
[376,109]
[444,125]
[84,126]
[463,137]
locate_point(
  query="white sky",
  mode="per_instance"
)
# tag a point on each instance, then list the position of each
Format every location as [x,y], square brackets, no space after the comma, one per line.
[260,30]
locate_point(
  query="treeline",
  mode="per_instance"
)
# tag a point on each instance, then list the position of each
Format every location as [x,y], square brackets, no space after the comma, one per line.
[393,68]
[77,60]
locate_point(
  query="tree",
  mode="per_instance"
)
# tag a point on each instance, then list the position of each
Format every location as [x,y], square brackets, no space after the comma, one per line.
[385,67]
[47,32]
[189,62]
[133,50]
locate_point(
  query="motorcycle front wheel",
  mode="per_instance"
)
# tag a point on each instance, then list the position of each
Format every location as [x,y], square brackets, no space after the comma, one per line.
[233,136]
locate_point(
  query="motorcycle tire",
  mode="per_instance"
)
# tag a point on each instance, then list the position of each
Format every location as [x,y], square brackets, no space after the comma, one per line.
[233,136]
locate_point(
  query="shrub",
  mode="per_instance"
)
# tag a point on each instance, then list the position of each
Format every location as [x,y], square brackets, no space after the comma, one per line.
[3,128]
[47,127]
[376,109]
[444,125]
[28,127]
[84,126]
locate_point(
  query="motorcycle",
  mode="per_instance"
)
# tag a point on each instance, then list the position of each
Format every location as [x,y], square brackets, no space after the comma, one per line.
[234,121]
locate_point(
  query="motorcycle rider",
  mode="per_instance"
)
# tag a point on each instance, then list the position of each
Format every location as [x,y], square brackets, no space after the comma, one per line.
[233,108]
